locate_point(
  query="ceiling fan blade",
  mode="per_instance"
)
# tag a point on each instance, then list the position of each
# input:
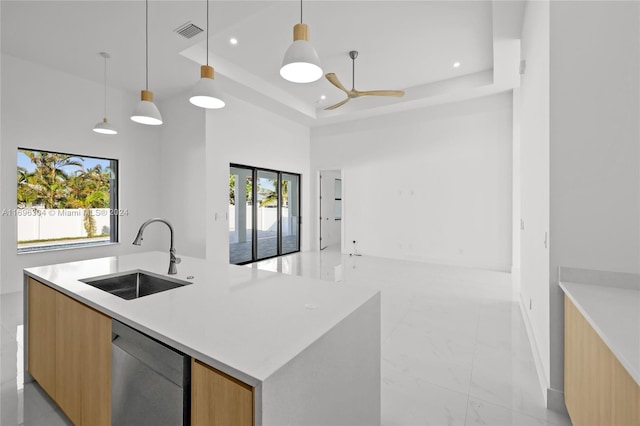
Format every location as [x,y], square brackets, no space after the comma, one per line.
[333,79]
[339,104]
[396,93]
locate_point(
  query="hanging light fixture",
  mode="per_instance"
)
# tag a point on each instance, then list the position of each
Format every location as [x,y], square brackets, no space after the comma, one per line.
[104,126]
[147,112]
[301,63]
[204,94]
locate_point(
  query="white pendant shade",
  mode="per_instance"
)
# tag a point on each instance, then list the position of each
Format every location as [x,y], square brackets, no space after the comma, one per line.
[301,63]
[105,128]
[146,111]
[205,94]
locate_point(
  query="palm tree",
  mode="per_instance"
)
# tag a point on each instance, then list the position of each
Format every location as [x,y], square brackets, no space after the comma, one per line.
[26,193]
[270,196]
[49,178]
[88,189]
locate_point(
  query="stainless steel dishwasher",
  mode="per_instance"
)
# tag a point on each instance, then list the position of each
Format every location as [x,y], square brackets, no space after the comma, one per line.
[150,382]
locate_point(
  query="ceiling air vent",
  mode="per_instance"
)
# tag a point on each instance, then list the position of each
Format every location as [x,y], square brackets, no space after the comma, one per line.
[189,30]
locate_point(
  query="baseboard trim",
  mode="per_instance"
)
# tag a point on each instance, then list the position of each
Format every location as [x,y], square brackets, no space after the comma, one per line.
[544,386]
[555,401]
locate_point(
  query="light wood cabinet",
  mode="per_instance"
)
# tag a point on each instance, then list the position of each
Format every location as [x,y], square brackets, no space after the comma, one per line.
[218,399]
[42,335]
[78,342]
[83,362]
[597,389]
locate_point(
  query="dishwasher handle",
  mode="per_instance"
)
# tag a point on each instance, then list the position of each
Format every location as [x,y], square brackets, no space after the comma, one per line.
[164,360]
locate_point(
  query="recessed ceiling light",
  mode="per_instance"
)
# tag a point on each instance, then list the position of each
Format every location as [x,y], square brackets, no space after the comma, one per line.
[233,41]
[456,64]
[323,97]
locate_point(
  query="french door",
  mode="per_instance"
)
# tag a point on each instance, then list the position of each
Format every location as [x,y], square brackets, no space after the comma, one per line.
[264,213]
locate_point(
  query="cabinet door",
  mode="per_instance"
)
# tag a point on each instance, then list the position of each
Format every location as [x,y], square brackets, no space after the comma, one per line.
[218,399]
[83,367]
[42,335]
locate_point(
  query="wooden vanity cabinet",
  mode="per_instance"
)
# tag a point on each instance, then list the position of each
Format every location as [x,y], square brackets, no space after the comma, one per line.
[218,399]
[598,390]
[69,354]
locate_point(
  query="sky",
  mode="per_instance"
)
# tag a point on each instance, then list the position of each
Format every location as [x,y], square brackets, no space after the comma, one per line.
[89,162]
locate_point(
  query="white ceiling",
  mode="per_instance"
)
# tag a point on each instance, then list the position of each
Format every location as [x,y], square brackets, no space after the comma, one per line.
[403,45]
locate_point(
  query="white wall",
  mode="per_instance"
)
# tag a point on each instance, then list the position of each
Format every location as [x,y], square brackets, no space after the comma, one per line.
[447,169]
[580,158]
[249,135]
[46,109]
[516,213]
[534,169]
[183,185]
[595,146]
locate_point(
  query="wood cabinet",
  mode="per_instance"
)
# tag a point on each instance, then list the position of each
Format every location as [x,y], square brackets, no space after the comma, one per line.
[597,388]
[42,335]
[76,340]
[218,399]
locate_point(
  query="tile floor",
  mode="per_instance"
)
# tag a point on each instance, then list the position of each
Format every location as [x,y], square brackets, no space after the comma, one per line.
[454,346]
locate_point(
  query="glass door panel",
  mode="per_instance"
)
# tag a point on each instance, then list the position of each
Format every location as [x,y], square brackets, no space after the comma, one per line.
[267,214]
[290,194]
[240,215]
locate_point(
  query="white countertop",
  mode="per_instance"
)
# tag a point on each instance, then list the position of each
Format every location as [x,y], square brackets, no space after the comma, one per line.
[243,321]
[614,313]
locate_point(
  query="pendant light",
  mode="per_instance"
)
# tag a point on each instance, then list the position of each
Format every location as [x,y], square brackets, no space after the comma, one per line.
[204,94]
[147,112]
[104,126]
[301,63]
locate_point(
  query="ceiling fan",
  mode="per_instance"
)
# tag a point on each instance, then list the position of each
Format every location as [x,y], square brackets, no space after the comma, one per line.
[353,93]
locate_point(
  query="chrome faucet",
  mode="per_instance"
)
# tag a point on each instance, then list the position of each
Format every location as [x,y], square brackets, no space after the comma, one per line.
[173,260]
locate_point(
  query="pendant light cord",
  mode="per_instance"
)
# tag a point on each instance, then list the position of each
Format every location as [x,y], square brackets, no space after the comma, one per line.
[301,11]
[207,32]
[105,86]
[146,45]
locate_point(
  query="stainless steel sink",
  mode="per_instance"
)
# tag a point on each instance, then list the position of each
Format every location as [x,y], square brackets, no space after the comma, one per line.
[134,284]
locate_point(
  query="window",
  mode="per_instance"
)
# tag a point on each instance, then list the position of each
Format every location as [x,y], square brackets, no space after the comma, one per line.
[269,227]
[65,201]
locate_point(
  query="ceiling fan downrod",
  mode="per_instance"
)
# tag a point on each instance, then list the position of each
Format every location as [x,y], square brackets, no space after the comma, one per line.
[353,55]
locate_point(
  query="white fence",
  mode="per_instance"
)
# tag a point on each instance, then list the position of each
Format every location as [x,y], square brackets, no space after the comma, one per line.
[49,224]
[267,221]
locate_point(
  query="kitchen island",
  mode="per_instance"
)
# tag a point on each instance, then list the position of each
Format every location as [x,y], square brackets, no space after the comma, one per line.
[309,350]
